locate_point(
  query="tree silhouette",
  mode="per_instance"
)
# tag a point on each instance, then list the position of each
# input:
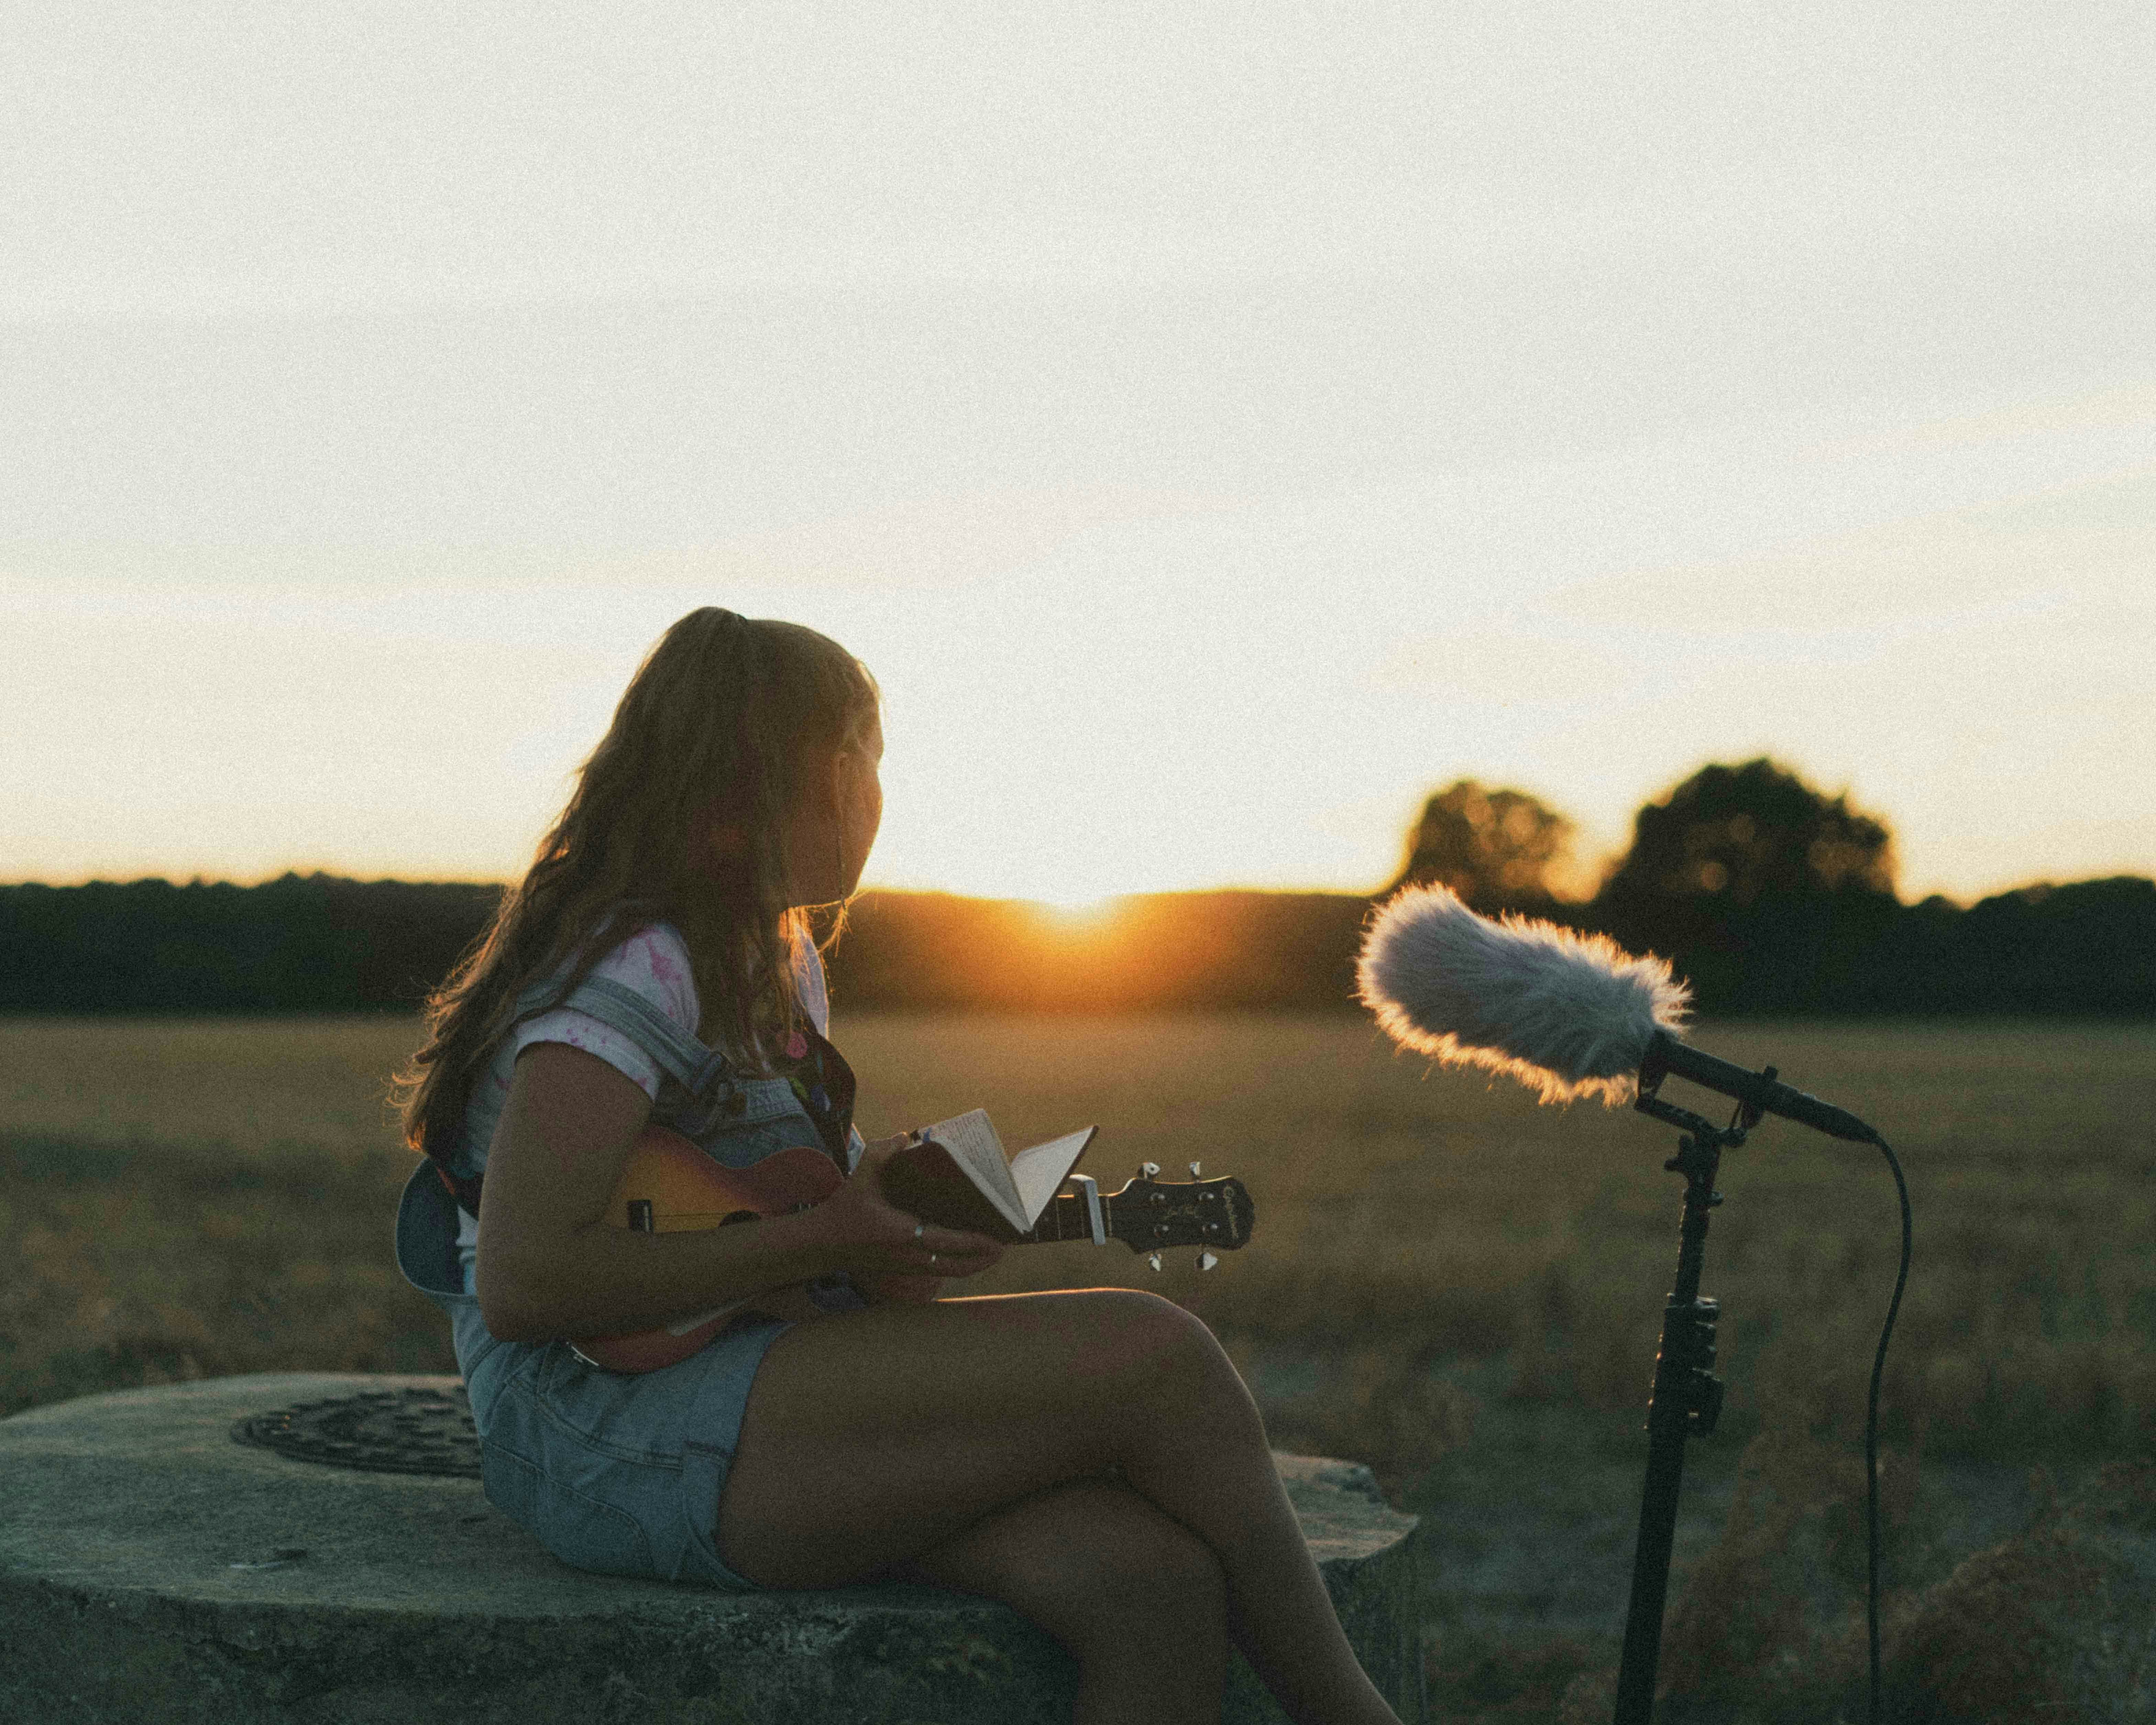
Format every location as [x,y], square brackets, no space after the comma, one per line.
[1767,895]
[1494,848]
[1741,834]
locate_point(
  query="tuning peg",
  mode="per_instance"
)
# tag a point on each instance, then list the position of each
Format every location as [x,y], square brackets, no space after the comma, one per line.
[1206,1260]
[1149,1169]
[1193,1170]
[1153,1258]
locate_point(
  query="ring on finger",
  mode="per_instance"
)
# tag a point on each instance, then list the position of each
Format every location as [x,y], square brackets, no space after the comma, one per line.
[932,1260]
[919,1229]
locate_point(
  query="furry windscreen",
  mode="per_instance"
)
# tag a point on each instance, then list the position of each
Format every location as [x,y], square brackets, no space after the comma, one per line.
[1566,1014]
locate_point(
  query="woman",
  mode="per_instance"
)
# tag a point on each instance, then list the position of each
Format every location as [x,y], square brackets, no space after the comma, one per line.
[1090,1457]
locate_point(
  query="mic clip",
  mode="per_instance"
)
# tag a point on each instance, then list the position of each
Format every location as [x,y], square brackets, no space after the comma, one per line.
[1654,1067]
[1684,1120]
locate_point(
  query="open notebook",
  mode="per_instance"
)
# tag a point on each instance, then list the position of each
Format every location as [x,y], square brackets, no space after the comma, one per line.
[956,1174]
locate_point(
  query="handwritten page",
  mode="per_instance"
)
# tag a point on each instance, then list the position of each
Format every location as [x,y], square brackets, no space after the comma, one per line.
[974,1146]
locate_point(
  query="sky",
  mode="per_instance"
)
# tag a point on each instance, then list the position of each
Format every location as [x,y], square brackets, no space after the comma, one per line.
[1217,427]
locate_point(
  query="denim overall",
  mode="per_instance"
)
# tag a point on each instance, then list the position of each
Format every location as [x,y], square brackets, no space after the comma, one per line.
[611,1472]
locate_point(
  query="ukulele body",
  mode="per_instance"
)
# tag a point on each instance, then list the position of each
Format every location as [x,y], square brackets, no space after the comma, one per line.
[669,1186]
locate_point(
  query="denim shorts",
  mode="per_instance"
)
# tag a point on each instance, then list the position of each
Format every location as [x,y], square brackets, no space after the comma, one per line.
[610,1473]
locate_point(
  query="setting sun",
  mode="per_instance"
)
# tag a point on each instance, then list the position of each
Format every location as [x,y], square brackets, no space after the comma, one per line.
[1075,915]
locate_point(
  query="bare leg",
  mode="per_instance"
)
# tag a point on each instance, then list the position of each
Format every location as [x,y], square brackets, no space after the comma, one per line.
[1138,1599]
[871,1439]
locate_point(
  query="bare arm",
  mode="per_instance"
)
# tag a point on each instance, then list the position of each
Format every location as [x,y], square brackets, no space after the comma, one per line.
[550,1265]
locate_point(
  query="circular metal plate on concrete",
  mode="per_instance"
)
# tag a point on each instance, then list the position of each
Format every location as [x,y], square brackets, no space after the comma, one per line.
[403,1431]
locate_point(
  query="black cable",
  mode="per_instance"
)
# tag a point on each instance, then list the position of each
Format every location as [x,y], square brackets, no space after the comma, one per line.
[1871,1427]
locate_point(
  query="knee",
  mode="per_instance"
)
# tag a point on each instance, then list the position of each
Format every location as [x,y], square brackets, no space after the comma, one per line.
[1164,1587]
[1152,1328]
[1180,1581]
[1172,1348]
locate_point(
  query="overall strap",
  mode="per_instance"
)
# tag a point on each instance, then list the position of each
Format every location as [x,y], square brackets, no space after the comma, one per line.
[680,1055]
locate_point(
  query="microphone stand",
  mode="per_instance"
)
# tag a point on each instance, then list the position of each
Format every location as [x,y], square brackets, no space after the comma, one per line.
[1687,1398]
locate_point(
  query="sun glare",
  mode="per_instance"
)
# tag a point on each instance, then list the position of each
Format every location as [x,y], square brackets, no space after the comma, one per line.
[1076,914]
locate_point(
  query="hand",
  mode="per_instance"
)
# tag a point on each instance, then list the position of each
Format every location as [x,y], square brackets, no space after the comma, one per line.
[900,1290]
[880,1246]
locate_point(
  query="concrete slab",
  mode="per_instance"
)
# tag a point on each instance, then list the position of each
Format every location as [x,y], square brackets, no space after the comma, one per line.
[152,1568]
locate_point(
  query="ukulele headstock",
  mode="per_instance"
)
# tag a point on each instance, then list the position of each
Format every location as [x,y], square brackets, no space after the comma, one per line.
[1150,1215]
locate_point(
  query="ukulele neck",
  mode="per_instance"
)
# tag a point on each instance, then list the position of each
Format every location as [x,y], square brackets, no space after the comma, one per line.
[1084,1214]
[1149,1213]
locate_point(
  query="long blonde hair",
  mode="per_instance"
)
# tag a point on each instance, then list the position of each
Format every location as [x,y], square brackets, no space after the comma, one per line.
[729,723]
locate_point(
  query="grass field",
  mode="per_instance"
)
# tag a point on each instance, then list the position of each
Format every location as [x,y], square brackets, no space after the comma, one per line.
[1445,1281]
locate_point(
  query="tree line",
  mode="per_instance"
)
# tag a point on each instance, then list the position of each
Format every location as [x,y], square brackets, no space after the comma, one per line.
[1770,897]
[1767,896]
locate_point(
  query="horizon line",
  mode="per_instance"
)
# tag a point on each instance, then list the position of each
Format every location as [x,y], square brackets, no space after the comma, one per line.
[1074,904]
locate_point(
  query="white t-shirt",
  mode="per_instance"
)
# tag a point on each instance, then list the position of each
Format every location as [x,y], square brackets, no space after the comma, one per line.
[653,962]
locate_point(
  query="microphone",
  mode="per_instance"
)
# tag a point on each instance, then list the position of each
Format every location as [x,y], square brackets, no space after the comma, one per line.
[1566,1014]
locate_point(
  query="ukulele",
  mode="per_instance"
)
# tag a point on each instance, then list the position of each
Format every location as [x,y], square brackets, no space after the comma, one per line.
[670,1186]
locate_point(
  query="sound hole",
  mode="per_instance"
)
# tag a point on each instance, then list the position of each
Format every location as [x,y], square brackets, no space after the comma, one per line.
[734,1216]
